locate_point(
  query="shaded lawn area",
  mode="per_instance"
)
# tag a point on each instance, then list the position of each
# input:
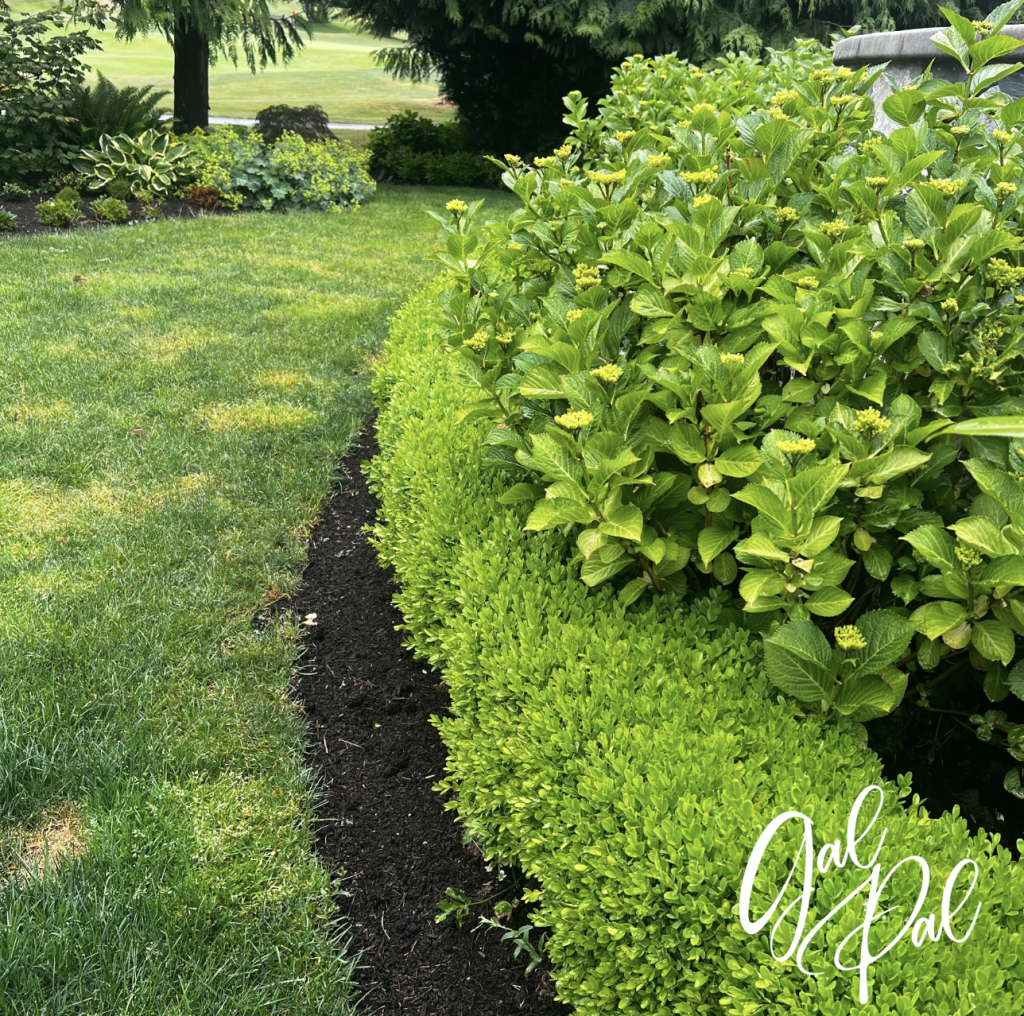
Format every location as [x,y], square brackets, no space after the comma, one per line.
[174,398]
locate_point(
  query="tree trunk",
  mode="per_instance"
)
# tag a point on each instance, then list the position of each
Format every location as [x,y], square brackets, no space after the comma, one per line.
[191,77]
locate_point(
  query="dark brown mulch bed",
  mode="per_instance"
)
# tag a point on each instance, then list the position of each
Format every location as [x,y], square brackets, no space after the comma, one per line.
[368,703]
[28,221]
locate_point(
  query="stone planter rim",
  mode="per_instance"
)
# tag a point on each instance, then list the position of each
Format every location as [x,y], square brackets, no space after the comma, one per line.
[914,44]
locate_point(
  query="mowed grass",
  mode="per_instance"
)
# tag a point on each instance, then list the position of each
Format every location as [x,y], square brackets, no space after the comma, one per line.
[335,69]
[174,398]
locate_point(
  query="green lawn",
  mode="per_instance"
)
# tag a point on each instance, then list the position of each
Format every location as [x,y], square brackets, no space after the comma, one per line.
[174,398]
[335,70]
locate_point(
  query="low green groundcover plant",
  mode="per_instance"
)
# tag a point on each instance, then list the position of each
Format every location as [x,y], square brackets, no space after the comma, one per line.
[61,211]
[290,174]
[628,758]
[737,339]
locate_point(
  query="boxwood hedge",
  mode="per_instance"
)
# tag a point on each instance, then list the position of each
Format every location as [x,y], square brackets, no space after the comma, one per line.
[628,758]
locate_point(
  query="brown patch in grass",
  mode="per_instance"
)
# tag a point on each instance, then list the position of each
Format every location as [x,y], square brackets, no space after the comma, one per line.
[38,849]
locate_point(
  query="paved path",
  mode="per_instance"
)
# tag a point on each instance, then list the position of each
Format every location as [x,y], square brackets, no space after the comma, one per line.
[252,123]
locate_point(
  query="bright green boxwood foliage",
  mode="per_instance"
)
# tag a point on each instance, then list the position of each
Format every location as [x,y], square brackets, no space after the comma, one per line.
[290,174]
[723,342]
[629,758]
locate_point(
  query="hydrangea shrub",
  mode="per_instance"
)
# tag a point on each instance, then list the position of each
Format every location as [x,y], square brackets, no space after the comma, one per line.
[737,339]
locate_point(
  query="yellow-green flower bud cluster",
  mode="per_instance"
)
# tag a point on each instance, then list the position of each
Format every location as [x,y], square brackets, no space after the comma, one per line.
[842,100]
[735,359]
[913,243]
[703,107]
[702,199]
[835,229]
[744,272]
[807,282]
[478,342]
[544,161]
[871,422]
[573,315]
[457,207]
[801,446]
[950,306]
[1004,189]
[781,98]
[1003,137]
[624,136]
[586,276]
[700,177]
[564,152]
[785,215]
[850,638]
[877,181]
[946,187]
[575,419]
[604,176]
[968,557]
[610,372]
[960,131]
[1003,275]
[659,161]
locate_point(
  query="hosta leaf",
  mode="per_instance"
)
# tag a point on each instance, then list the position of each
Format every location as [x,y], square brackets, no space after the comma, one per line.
[935,619]
[799,661]
[994,640]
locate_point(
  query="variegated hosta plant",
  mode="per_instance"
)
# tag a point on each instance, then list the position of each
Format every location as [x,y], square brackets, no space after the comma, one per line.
[736,336]
[153,163]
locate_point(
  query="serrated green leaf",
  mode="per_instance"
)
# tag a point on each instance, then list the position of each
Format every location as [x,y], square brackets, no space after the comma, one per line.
[740,461]
[521,492]
[713,539]
[935,545]
[887,636]
[994,640]
[799,661]
[830,602]
[558,511]
[936,618]
[625,522]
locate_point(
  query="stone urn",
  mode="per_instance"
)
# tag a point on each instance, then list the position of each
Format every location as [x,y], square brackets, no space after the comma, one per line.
[908,54]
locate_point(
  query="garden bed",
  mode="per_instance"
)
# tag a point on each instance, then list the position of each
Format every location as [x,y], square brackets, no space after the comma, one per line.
[369,704]
[29,224]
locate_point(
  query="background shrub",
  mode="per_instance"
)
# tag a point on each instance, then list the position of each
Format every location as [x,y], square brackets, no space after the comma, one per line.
[289,175]
[308,122]
[8,221]
[61,211]
[413,149]
[40,63]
